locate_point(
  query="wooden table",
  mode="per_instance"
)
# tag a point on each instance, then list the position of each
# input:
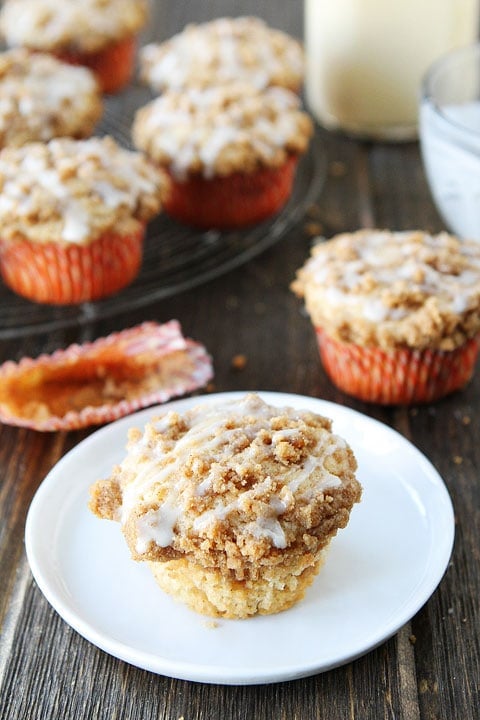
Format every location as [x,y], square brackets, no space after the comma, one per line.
[430,669]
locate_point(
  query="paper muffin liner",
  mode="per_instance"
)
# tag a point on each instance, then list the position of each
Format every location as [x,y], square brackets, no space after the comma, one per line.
[98,382]
[231,201]
[113,66]
[55,273]
[397,377]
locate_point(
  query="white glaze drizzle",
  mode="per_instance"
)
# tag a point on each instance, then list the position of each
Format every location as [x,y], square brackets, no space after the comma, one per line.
[390,258]
[219,46]
[199,132]
[158,525]
[102,169]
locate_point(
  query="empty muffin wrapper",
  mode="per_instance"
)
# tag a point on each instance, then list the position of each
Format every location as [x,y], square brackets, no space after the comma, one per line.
[101,381]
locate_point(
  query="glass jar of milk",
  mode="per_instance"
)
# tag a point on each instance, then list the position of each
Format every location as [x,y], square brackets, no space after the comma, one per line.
[365,59]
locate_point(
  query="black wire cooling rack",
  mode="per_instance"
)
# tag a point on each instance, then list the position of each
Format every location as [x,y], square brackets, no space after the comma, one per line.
[176,258]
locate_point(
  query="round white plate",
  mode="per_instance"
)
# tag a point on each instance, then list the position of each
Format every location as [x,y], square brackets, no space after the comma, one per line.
[378,573]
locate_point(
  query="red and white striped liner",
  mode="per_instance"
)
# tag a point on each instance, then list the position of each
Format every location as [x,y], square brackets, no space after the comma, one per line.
[397,377]
[67,274]
[150,340]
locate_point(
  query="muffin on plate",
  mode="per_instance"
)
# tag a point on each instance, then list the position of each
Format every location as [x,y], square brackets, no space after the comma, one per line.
[230,150]
[222,51]
[72,217]
[397,314]
[232,503]
[43,98]
[99,34]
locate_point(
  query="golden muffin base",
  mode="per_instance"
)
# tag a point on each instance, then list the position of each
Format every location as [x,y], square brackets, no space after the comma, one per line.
[209,592]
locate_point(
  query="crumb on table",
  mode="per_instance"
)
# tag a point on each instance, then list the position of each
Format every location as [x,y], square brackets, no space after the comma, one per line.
[239,362]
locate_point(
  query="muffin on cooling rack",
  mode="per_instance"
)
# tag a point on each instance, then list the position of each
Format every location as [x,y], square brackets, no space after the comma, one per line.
[232,504]
[72,217]
[222,51]
[43,98]
[397,314]
[231,151]
[99,34]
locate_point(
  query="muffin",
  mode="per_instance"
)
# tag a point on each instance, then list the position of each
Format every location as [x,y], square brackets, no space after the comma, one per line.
[397,314]
[72,217]
[99,34]
[232,504]
[43,98]
[231,151]
[222,51]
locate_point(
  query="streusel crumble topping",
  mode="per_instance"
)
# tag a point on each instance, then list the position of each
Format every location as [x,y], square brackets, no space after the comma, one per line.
[222,129]
[85,26]
[42,98]
[231,486]
[394,289]
[75,190]
[224,50]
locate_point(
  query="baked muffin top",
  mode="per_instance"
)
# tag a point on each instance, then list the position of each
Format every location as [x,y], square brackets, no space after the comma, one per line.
[231,486]
[224,50]
[73,191]
[85,26]
[394,289]
[42,98]
[222,129]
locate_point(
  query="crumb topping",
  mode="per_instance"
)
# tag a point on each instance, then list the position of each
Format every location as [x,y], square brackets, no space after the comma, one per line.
[222,129]
[223,50]
[85,26]
[75,190]
[42,98]
[232,485]
[394,289]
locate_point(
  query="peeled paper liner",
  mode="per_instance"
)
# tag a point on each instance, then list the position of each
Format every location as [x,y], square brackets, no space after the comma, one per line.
[142,346]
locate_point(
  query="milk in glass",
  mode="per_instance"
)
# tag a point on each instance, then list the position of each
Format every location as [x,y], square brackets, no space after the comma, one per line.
[366,58]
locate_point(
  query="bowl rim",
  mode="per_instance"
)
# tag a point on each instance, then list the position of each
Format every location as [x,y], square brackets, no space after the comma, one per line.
[436,67]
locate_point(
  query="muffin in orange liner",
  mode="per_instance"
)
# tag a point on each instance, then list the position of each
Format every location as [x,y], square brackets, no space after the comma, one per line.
[98,382]
[72,218]
[224,50]
[43,98]
[232,503]
[99,34]
[397,314]
[231,151]
[113,66]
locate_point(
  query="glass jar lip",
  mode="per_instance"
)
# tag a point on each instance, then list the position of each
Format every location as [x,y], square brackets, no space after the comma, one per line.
[432,72]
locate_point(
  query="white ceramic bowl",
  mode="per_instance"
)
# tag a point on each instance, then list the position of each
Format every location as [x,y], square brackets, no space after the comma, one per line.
[450,138]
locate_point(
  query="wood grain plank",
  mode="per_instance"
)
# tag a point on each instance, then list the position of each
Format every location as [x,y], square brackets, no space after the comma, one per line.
[431,668]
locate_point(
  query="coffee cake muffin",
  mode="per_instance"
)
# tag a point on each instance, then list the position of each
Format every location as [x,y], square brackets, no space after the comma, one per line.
[72,217]
[397,314]
[232,505]
[43,98]
[99,34]
[231,151]
[222,51]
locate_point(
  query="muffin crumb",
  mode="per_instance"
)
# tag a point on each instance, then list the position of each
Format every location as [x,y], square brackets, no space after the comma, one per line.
[239,362]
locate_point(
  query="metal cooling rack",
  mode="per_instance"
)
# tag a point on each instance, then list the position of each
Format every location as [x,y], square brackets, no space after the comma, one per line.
[176,258]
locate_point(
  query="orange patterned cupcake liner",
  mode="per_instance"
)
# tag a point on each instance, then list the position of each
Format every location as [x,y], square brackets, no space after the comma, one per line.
[233,201]
[66,274]
[113,66]
[98,382]
[398,377]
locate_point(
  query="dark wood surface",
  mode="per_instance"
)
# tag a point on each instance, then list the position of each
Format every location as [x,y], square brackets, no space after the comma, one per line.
[430,669]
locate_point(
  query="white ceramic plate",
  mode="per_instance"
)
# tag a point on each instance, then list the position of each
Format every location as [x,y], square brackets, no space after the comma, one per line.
[379,571]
